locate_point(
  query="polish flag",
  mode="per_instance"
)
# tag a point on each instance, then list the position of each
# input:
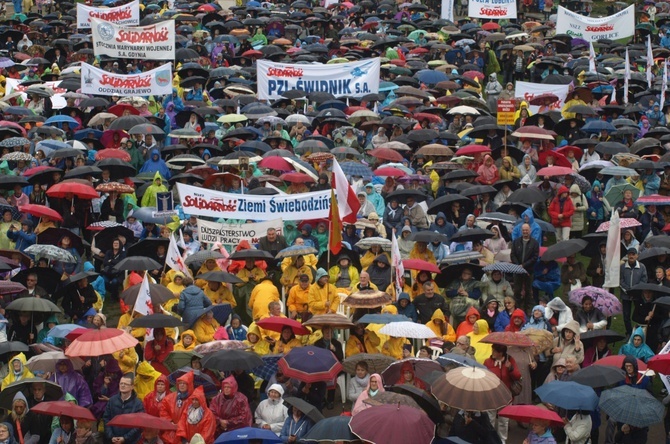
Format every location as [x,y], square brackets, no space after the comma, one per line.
[346,196]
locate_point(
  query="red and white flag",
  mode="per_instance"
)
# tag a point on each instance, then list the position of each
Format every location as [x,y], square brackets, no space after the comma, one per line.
[143,304]
[396,263]
[174,260]
[347,201]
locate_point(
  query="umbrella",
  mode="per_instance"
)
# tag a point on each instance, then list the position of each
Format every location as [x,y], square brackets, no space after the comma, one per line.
[421,367]
[382,318]
[12,347]
[505,267]
[178,359]
[377,362]
[425,401]
[46,277]
[46,362]
[632,406]
[310,364]
[200,379]
[214,346]
[220,276]
[269,368]
[35,305]
[53,391]
[251,254]
[419,264]
[305,407]
[471,388]
[9,287]
[246,435]
[564,249]
[296,250]
[617,362]
[543,340]
[333,429]
[407,330]
[610,336]
[528,413]
[472,235]
[598,376]
[615,194]
[333,320]
[660,364]
[369,242]
[626,222]
[159,294]
[230,360]
[554,171]
[70,187]
[278,323]
[568,395]
[605,301]
[135,263]
[454,272]
[449,359]
[156,320]
[508,338]
[653,199]
[114,187]
[100,342]
[41,211]
[527,196]
[401,424]
[221,313]
[141,421]
[63,408]
[367,299]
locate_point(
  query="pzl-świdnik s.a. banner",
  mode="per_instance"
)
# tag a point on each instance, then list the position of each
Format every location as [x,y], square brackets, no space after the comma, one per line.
[353,79]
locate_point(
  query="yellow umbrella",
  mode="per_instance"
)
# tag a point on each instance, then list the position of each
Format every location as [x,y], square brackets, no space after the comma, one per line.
[232,118]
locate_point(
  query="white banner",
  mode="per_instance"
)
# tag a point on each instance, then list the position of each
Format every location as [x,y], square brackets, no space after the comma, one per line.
[342,79]
[156,82]
[128,14]
[613,27]
[203,202]
[613,255]
[492,9]
[153,42]
[448,10]
[527,90]
[57,100]
[232,234]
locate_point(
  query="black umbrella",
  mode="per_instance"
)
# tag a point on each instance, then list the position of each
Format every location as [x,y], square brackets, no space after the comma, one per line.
[477,190]
[125,123]
[443,204]
[333,429]
[103,240]
[156,320]
[52,236]
[118,169]
[653,252]
[9,182]
[453,273]
[402,195]
[594,239]
[135,263]
[475,234]
[45,176]
[220,276]
[159,294]
[598,376]
[636,290]
[78,277]
[305,407]
[327,260]
[251,254]
[231,360]
[83,172]
[459,175]
[609,335]
[53,391]
[148,247]
[13,347]
[47,278]
[428,237]
[529,196]
[426,401]
[34,305]
[564,249]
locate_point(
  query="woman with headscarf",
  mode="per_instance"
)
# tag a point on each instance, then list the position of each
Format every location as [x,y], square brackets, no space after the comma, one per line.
[479,331]
[367,207]
[526,168]
[271,413]
[497,243]
[567,344]
[374,387]
[488,172]
[230,407]
[152,401]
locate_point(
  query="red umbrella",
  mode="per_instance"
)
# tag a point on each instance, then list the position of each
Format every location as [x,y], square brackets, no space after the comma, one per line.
[32,171]
[107,138]
[575,149]
[469,150]
[276,323]
[252,53]
[432,118]
[227,179]
[539,100]
[554,171]
[420,264]
[386,154]
[297,178]
[508,338]
[534,132]
[559,159]
[310,364]
[72,187]
[275,163]
[113,153]
[206,8]
[74,334]
[419,51]
[660,364]
[527,413]
[9,287]
[352,109]
[490,26]
[41,211]
[120,108]
[100,342]
[203,171]
[617,361]
[141,421]
[389,172]
[393,423]
[63,408]
[653,199]
[474,75]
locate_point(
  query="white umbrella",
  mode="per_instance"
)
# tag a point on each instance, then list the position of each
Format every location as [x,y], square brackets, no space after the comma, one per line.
[368,242]
[295,118]
[407,330]
[462,109]
[46,362]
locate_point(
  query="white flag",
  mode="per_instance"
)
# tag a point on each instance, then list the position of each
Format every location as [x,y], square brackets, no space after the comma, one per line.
[613,256]
[592,58]
[396,262]
[626,79]
[664,84]
[174,260]
[143,303]
[650,61]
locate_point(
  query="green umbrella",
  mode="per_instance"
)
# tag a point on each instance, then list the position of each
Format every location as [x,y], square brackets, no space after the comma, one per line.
[615,194]
[178,359]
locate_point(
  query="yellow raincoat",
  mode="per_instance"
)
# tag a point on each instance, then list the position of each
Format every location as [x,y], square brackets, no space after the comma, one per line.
[261,347]
[204,331]
[482,350]
[261,296]
[321,298]
[145,380]
[23,373]
[128,361]
[451,333]
[179,346]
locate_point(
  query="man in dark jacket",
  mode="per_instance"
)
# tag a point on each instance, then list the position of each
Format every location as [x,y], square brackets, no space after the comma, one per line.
[525,251]
[42,423]
[427,302]
[273,243]
[631,273]
[79,297]
[126,401]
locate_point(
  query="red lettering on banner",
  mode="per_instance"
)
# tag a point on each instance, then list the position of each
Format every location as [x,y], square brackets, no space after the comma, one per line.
[112,16]
[214,205]
[600,28]
[130,83]
[493,12]
[285,72]
[145,35]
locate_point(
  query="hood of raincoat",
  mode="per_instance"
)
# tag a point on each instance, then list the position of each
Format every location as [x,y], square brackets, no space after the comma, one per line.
[230,381]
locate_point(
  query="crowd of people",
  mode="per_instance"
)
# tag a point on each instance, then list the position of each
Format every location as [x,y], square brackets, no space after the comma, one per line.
[500,229]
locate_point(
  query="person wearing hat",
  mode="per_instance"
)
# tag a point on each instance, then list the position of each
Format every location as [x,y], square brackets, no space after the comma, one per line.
[343,275]
[24,237]
[323,296]
[632,272]
[367,207]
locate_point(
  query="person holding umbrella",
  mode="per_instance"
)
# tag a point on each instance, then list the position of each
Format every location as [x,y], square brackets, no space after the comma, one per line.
[296,426]
[124,402]
[505,368]
[24,237]
[78,299]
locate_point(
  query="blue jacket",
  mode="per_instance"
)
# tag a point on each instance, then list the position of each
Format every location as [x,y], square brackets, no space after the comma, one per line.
[547,282]
[408,311]
[23,240]
[116,406]
[191,303]
[99,283]
[535,230]
[502,321]
[292,428]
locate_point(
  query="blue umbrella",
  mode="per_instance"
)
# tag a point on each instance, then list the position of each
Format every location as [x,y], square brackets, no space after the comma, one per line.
[337,104]
[200,379]
[463,361]
[246,434]
[335,429]
[53,144]
[595,126]
[387,86]
[221,313]
[14,141]
[60,331]
[430,77]
[356,169]
[19,111]
[145,214]
[84,133]
[632,406]
[383,319]
[60,119]
[506,267]
[568,395]
[255,145]
[269,367]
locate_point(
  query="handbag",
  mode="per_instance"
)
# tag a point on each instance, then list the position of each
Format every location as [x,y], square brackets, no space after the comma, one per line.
[516,387]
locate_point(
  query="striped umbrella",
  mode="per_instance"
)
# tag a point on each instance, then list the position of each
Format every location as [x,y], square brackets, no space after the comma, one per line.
[506,267]
[310,364]
[471,388]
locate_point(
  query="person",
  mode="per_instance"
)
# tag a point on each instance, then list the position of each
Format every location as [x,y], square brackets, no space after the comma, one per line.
[157,350]
[24,423]
[153,400]
[361,341]
[540,433]
[632,273]
[124,402]
[196,418]
[429,301]
[188,342]
[525,252]
[17,370]
[589,316]
[472,427]
[504,367]
[323,297]
[464,293]
[110,274]
[33,289]
[408,376]
[568,344]
[471,317]
[578,428]
[271,413]
[561,211]
[272,242]
[573,275]
[261,296]
[496,288]
[296,426]
[230,407]
[85,433]
[359,382]
[405,307]
[636,346]
[192,301]
[373,387]
[287,341]
[78,299]
[62,434]
[72,382]
[479,332]
[596,269]
[442,329]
